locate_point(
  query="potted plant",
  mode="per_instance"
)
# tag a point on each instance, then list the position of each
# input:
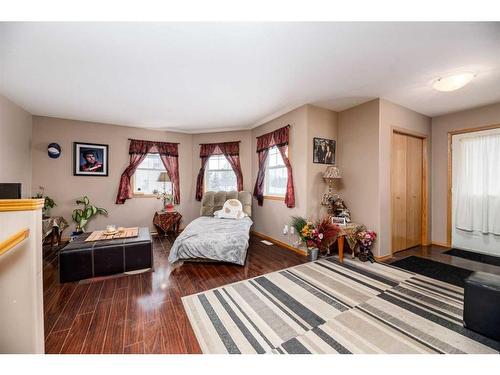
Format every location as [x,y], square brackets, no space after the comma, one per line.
[48,204]
[81,216]
[316,236]
[366,239]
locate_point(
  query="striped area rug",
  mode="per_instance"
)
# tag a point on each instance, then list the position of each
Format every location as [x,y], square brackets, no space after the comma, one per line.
[328,307]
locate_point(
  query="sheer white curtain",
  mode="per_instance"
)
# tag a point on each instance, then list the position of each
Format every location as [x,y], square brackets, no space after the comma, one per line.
[478,184]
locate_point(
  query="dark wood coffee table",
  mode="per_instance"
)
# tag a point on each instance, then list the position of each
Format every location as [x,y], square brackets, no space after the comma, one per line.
[82,260]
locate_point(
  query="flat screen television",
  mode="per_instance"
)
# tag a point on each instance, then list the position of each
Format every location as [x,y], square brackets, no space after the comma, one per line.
[10,191]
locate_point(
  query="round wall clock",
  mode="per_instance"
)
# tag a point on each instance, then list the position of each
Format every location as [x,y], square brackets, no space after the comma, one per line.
[54,150]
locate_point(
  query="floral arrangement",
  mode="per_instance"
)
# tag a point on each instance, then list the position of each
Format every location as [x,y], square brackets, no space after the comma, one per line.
[366,239]
[320,234]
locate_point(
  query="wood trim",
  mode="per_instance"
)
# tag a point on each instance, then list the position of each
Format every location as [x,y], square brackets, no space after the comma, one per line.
[425,182]
[279,243]
[411,133]
[472,130]
[425,192]
[21,204]
[450,176]
[274,197]
[448,193]
[13,240]
[440,244]
[383,258]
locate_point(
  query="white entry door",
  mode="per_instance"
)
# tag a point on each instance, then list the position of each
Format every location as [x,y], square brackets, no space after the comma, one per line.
[476,191]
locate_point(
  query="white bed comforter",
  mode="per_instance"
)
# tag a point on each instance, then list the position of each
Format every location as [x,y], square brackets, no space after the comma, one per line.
[210,238]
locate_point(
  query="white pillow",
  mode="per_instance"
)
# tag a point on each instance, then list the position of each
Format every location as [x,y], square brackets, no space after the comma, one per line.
[232,209]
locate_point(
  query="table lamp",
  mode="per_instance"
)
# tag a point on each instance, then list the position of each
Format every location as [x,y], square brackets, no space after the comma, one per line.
[163,177]
[330,175]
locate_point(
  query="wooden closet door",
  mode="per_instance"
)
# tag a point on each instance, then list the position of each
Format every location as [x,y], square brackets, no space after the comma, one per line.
[398,191]
[413,191]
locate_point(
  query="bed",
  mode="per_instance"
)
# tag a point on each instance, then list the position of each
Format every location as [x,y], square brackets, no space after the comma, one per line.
[211,239]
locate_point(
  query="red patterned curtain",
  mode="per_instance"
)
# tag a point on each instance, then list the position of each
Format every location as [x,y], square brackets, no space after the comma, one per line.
[138,150]
[171,164]
[290,191]
[124,189]
[280,139]
[258,191]
[231,150]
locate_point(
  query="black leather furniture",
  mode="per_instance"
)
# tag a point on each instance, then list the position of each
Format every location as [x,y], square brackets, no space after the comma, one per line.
[81,260]
[482,304]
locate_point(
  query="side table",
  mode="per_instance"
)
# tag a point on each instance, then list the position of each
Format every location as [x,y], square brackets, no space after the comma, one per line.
[167,222]
[53,226]
[349,233]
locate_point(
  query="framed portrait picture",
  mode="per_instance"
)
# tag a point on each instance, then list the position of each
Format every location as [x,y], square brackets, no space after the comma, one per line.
[90,159]
[323,151]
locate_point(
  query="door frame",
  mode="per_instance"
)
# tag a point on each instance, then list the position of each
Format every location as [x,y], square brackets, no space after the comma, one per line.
[449,185]
[424,231]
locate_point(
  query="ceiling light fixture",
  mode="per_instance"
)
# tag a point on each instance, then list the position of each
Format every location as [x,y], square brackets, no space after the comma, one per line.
[453,82]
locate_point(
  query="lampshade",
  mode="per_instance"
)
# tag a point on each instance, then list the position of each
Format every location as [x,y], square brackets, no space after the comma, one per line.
[163,177]
[331,173]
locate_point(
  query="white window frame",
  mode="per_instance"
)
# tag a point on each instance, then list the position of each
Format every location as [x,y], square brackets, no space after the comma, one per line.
[208,170]
[266,177]
[140,194]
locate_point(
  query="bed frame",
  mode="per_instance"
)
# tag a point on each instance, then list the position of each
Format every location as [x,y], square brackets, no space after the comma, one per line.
[214,200]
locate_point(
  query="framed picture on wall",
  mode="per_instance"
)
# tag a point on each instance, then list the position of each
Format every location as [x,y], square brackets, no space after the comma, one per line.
[323,151]
[90,159]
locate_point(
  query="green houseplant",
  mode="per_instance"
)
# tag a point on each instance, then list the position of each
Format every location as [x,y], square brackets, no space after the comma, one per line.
[316,236]
[81,216]
[48,204]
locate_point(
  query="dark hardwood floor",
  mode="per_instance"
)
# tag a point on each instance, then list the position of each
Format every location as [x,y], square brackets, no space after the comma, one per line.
[436,253]
[141,313]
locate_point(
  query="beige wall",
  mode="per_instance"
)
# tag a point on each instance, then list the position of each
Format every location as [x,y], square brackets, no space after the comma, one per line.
[395,116]
[15,145]
[321,123]
[365,164]
[358,160]
[244,136]
[441,125]
[56,175]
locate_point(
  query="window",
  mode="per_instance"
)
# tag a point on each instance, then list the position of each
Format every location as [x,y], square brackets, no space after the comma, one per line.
[219,175]
[276,174]
[145,179]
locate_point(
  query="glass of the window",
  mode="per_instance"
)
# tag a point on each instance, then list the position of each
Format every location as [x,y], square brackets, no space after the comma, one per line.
[145,181]
[219,175]
[276,174]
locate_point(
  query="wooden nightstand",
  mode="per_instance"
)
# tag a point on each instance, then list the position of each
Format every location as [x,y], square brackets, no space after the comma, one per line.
[167,222]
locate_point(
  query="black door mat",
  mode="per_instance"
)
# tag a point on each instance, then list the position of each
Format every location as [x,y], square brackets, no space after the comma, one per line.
[477,257]
[436,270]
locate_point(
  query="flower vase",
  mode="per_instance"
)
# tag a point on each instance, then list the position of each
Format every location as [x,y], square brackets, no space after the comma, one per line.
[312,253]
[365,254]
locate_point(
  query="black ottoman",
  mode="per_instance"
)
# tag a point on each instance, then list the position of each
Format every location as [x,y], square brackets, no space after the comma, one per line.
[482,304]
[82,260]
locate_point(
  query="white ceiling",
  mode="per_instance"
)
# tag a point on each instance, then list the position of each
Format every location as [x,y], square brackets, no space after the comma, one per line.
[197,77]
